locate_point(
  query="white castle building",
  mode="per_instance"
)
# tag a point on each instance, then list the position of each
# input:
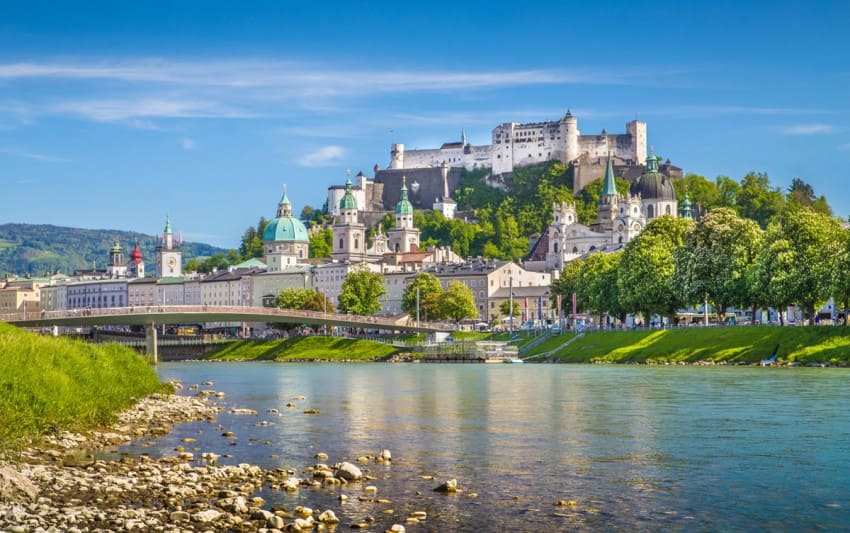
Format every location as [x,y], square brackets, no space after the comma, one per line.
[518,145]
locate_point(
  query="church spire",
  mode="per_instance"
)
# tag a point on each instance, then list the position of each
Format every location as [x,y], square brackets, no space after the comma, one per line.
[609,186]
[463,137]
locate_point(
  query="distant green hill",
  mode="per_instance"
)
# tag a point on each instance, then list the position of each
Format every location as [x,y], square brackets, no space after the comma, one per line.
[40,248]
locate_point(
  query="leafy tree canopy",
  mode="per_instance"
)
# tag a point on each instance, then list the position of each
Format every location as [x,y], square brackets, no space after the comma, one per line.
[361,292]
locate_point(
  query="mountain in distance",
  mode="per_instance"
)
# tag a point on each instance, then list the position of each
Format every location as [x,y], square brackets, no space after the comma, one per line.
[38,249]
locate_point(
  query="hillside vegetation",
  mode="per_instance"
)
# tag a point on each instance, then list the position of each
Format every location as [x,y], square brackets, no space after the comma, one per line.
[40,248]
[314,348]
[48,384]
[744,344]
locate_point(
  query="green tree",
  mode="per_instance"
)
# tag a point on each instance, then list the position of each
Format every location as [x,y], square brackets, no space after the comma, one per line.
[714,261]
[772,277]
[429,296]
[321,243]
[816,241]
[252,241]
[599,285]
[506,311]
[841,274]
[728,191]
[457,302]
[703,193]
[570,281]
[645,278]
[803,194]
[758,200]
[304,299]
[361,292]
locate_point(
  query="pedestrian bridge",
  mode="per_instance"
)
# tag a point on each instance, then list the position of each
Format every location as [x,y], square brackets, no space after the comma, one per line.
[195,314]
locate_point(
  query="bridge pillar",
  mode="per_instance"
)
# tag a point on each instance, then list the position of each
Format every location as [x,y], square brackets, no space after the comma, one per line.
[150,338]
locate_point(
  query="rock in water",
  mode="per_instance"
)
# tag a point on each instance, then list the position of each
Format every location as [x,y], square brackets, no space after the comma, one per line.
[448,486]
[348,472]
[386,456]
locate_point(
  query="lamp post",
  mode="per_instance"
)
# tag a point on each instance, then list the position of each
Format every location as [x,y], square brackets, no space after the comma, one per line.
[511,305]
[417,307]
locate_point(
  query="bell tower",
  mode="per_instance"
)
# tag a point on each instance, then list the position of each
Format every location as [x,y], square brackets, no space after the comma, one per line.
[169,256]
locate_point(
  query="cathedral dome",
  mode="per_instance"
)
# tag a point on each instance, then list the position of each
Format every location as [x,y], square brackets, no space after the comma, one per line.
[287,229]
[653,185]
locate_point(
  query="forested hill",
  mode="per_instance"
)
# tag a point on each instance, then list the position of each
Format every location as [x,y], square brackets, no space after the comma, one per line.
[39,248]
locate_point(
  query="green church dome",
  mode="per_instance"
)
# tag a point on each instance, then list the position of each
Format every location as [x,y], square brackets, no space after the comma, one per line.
[404,207]
[287,229]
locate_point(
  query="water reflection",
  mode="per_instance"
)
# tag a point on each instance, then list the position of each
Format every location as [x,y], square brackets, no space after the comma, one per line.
[634,448]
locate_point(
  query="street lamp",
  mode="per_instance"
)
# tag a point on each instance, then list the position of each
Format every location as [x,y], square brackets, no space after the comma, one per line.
[511,305]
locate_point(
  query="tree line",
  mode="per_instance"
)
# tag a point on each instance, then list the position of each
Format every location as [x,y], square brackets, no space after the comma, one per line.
[801,258]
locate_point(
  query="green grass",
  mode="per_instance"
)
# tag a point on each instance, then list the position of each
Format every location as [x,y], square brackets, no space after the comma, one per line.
[48,384]
[549,344]
[5,244]
[314,348]
[743,344]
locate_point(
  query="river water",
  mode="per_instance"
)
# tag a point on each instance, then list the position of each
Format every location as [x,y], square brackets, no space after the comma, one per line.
[648,448]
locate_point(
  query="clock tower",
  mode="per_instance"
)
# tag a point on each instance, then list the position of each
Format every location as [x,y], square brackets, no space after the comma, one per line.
[169,257]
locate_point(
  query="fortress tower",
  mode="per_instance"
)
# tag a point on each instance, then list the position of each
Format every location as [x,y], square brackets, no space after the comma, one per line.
[397,156]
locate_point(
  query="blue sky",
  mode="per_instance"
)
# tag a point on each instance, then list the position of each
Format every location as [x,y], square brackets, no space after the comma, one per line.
[114,115]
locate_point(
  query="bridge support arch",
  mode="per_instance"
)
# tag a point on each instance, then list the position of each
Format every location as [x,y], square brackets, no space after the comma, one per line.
[150,342]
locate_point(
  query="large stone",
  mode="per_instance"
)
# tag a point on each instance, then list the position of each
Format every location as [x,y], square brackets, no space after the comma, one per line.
[15,487]
[205,517]
[348,472]
[328,517]
[448,486]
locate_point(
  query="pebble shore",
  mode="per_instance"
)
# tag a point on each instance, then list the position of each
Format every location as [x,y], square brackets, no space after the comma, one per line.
[61,486]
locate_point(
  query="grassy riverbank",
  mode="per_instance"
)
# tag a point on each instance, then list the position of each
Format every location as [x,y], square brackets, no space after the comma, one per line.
[48,384]
[742,344]
[314,348]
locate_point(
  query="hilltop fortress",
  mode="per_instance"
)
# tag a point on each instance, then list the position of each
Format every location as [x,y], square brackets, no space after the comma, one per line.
[518,145]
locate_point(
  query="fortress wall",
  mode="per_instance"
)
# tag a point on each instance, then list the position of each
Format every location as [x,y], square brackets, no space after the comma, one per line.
[422,158]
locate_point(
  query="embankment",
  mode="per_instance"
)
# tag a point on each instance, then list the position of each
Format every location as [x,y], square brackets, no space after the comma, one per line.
[49,384]
[741,345]
[314,348]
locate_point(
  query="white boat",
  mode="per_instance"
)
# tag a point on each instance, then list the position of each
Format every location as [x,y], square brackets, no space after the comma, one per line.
[513,361]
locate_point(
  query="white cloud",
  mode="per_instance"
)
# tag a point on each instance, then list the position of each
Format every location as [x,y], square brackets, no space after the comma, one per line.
[323,157]
[808,129]
[131,110]
[188,144]
[31,155]
[315,79]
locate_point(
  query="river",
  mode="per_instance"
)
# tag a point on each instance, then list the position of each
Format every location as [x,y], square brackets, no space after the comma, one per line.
[626,447]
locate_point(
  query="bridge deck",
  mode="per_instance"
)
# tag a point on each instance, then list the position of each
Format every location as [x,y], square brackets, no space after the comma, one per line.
[192,314]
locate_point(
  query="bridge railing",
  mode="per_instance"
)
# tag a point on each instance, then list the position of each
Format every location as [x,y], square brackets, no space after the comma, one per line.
[236,311]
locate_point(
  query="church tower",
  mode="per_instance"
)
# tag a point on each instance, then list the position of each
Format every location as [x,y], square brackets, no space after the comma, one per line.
[403,237]
[117,266]
[609,199]
[169,257]
[136,267]
[349,235]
